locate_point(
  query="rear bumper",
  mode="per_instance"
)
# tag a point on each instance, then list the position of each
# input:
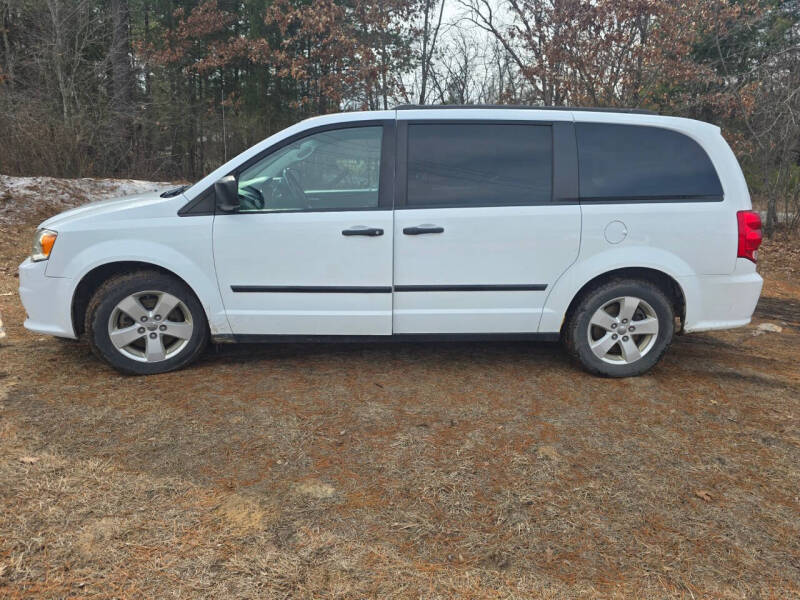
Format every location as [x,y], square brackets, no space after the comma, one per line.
[47,300]
[721,301]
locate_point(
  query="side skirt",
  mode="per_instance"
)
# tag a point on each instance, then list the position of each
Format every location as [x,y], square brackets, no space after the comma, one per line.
[397,337]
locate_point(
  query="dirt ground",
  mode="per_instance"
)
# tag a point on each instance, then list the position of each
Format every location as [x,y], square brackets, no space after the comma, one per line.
[480,470]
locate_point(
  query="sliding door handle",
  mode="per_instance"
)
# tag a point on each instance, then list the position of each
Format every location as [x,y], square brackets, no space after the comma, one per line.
[361,230]
[421,229]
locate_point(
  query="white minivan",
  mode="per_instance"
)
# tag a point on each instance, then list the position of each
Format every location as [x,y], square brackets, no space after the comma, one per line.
[608,230]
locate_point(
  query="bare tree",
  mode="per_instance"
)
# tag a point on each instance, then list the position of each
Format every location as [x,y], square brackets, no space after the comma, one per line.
[429,38]
[772,114]
[9,52]
[122,72]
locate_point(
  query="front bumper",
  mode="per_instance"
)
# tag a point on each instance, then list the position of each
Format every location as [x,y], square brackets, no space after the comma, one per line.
[47,300]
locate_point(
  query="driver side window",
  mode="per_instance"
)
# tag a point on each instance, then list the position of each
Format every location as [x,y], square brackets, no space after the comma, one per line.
[330,170]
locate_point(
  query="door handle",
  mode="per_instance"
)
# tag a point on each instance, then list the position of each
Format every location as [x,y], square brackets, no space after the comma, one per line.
[361,230]
[420,229]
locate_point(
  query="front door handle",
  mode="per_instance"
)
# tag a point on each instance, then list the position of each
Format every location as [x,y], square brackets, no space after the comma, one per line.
[421,229]
[361,230]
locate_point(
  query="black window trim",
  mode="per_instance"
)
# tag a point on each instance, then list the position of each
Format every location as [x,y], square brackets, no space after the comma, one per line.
[564,189]
[592,200]
[202,205]
[645,199]
[195,207]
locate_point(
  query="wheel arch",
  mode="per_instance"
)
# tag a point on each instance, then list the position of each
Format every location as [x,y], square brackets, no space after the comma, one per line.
[665,282]
[93,279]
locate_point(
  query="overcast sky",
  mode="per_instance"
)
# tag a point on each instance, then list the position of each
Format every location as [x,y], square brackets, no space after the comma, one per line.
[454,12]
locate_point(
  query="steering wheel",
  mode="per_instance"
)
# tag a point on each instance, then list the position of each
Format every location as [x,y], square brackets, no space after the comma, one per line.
[293,184]
[251,195]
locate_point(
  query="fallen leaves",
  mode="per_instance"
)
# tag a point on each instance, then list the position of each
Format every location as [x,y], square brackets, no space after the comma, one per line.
[548,452]
[244,514]
[315,489]
[704,495]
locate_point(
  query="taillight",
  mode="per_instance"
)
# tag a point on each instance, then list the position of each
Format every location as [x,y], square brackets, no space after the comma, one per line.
[749,234]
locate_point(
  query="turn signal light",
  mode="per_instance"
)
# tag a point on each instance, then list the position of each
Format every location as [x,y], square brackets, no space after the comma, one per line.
[43,244]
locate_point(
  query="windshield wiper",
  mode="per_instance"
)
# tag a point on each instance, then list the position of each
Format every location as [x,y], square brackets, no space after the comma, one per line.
[174,191]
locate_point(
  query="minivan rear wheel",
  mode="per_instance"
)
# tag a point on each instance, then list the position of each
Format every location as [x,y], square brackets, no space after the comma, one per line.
[146,322]
[621,328]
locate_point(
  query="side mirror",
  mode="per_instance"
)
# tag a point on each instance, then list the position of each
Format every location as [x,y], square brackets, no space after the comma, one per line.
[227,193]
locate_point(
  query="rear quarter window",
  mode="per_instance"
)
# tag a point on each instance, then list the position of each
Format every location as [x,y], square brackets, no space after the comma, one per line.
[639,162]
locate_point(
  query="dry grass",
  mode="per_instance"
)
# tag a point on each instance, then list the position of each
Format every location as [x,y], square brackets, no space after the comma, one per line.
[430,471]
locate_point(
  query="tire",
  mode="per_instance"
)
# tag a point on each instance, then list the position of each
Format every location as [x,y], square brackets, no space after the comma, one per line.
[124,308]
[587,328]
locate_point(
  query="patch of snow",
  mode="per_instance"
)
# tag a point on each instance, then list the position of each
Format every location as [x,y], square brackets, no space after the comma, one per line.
[23,198]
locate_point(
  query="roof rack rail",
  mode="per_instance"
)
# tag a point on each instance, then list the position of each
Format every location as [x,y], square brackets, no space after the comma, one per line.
[640,111]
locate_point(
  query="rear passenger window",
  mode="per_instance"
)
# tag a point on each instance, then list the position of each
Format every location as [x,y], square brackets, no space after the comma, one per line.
[458,164]
[631,161]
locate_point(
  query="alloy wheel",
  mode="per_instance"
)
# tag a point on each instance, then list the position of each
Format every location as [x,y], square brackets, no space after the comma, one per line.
[150,326]
[623,330]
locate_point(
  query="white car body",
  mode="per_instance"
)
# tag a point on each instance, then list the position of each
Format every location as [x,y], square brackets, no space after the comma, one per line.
[494,270]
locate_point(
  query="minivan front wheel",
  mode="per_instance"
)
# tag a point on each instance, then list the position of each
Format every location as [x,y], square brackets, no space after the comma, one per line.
[620,329]
[146,322]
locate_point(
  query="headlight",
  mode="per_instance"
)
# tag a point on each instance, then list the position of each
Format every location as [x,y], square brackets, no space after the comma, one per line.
[43,244]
